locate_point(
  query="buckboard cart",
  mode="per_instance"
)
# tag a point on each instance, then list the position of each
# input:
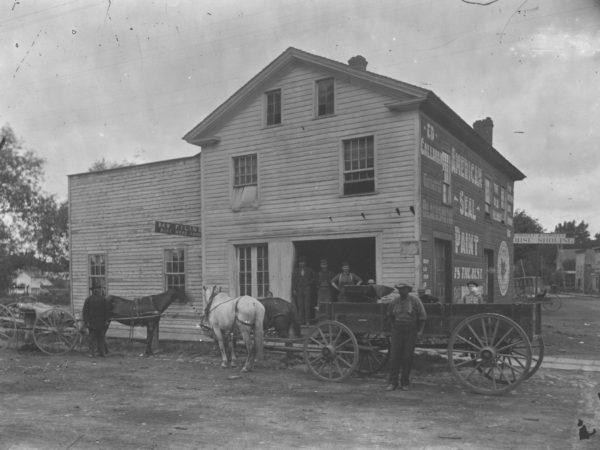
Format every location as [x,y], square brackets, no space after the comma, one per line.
[51,329]
[491,348]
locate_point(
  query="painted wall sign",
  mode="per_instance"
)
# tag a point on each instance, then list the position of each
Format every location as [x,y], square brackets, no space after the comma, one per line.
[503,268]
[465,243]
[176,228]
[466,206]
[468,273]
[466,169]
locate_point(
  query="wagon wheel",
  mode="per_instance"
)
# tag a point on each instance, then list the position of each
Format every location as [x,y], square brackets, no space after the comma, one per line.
[8,327]
[552,303]
[55,332]
[489,353]
[331,351]
[374,353]
[537,354]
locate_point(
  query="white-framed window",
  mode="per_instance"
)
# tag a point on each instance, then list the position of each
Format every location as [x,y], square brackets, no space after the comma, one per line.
[273,107]
[446,182]
[487,198]
[97,264]
[359,165]
[253,270]
[245,182]
[325,97]
[175,268]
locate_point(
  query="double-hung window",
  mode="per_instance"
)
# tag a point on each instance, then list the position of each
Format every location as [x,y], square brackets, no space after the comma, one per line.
[175,268]
[97,272]
[245,181]
[359,165]
[253,270]
[487,198]
[325,97]
[447,179]
[273,103]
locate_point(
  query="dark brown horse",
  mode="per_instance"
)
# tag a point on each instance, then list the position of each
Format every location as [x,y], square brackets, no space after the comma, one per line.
[281,315]
[144,312]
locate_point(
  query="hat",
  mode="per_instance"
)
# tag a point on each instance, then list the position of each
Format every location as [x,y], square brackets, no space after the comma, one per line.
[472,283]
[403,286]
[345,263]
[371,281]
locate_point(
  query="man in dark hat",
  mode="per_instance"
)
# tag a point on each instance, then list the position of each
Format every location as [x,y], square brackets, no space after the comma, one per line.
[324,282]
[303,280]
[473,296]
[96,315]
[407,316]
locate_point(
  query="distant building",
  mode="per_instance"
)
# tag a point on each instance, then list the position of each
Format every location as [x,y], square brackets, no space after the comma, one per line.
[29,283]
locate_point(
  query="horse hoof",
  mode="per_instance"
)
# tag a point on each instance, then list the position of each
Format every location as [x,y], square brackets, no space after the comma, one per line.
[244,369]
[224,366]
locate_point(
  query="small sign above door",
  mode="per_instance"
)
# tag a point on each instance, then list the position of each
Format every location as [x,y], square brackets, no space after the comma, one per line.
[176,228]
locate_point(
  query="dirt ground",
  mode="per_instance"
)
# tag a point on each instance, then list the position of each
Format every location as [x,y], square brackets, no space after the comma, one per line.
[182,399]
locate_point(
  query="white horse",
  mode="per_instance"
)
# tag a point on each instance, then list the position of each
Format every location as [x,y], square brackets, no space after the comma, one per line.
[223,313]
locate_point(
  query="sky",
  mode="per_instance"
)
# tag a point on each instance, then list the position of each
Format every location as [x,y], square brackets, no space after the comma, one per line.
[124,80]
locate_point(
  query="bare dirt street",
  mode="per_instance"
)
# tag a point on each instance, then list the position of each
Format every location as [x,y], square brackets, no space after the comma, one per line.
[182,399]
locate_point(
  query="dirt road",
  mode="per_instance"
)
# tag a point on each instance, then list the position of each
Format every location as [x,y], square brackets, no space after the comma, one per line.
[182,399]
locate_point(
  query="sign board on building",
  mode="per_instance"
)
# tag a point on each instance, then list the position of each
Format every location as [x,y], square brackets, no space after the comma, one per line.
[542,238]
[176,228]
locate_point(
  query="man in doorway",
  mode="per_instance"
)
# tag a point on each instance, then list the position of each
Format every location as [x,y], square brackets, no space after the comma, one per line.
[324,283]
[345,278]
[303,280]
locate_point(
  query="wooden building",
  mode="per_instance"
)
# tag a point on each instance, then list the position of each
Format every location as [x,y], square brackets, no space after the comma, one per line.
[317,158]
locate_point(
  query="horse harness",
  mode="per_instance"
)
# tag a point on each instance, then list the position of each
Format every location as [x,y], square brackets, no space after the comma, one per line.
[138,304]
[209,309]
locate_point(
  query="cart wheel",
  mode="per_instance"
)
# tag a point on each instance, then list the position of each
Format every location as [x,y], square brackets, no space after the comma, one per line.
[8,327]
[331,351]
[55,332]
[537,354]
[373,354]
[489,353]
[552,303]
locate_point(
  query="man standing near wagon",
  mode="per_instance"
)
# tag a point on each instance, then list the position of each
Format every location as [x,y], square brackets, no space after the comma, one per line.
[303,280]
[96,315]
[407,315]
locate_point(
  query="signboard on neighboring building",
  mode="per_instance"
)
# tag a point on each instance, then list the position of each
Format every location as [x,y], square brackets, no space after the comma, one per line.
[542,238]
[176,228]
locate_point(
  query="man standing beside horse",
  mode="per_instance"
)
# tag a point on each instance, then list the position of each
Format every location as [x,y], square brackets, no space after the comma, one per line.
[96,315]
[303,280]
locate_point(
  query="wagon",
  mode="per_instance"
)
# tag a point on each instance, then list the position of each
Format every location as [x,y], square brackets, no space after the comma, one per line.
[51,329]
[491,348]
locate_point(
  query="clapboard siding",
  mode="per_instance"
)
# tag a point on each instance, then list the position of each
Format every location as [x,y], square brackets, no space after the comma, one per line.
[113,212]
[299,174]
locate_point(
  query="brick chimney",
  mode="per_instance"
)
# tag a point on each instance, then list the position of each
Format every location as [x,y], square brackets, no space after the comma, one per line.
[358,62]
[485,129]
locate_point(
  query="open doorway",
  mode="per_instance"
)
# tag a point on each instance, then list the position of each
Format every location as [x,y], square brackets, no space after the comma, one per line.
[358,252]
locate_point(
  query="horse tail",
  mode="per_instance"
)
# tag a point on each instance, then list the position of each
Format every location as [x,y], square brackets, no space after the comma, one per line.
[258,329]
[295,322]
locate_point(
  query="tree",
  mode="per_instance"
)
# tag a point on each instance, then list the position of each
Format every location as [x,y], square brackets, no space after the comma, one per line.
[51,234]
[578,231]
[532,260]
[20,176]
[103,164]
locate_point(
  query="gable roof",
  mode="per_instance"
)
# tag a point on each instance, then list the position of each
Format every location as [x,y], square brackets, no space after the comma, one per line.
[409,97]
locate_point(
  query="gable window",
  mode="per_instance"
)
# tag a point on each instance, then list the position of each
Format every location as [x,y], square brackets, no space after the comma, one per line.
[97,272]
[273,107]
[359,165]
[245,182]
[174,269]
[325,97]
[253,274]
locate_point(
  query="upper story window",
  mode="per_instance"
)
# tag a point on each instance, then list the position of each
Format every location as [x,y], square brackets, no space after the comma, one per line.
[273,100]
[245,170]
[325,97]
[488,198]
[245,182]
[446,185]
[359,165]
[175,269]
